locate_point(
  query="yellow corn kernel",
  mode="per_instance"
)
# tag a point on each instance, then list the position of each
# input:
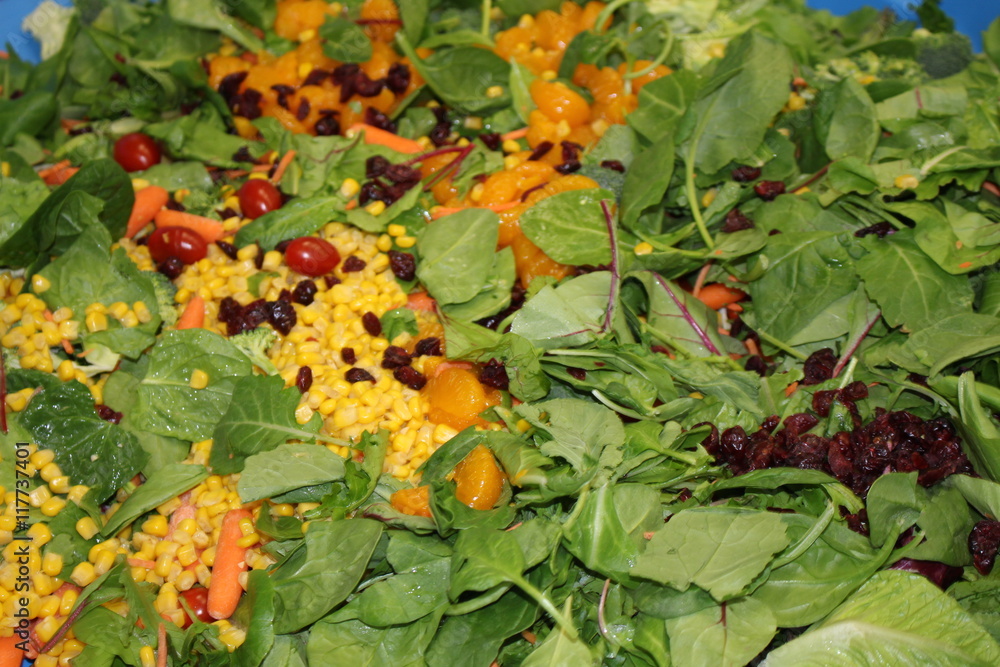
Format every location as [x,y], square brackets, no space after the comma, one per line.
[83,574]
[49,606]
[795,102]
[166,600]
[181,194]
[906,182]
[643,248]
[118,309]
[376,207]
[162,567]
[142,312]
[384,243]
[199,379]
[494,92]
[96,322]
[60,484]
[40,283]
[283,509]
[156,525]
[7,522]
[511,162]
[248,541]
[68,601]
[47,660]
[349,188]
[76,494]
[189,526]
[5,169]
[70,329]
[147,656]
[46,629]
[49,471]
[187,554]
[208,556]
[42,458]
[39,495]
[406,241]
[104,562]
[52,564]
[53,506]
[66,370]
[395,230]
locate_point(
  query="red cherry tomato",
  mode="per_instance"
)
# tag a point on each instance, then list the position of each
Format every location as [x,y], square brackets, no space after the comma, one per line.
[257,197]
[197,599]
[180,242]
[311,256]
[136,151]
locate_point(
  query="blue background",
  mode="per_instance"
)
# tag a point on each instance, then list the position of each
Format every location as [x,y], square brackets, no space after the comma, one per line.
[969,16]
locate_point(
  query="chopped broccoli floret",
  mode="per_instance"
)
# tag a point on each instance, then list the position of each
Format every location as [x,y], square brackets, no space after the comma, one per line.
[165,291]
[944,54]
[255,345]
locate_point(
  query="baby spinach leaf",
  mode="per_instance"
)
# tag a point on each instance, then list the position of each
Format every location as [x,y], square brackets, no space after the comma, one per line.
[484,558]
[92,451]
[345,40]
[300,217]
[458,254]
[894,503]
[678,319]
[647,180]
[730,634]
[399,321]
[288,467]
[845,121]
[897,617]
[597,537]
[209,14]
[260,417]
[736,106]
[202,135]
[407,596]
[336,641]
[414,16]
[570,227]
[258,605]
[495,294]
[912,291]
[663,103]
[473,639]
[178,175]
[520,89]
[167,404]
[462,75]
[568,315]
[579,430]
[166,483]
[560,648]
[520,358]
[720,550]
[314,579]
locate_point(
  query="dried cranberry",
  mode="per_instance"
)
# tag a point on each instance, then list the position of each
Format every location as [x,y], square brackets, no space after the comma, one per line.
[348,355]
[283,92]
[367,87]
[376,166]
[345,72]
[769,190]
[107,414]
[248,104]
[577,373]
[316,77]
[440,134]
[353,264]
[527,193]
[258,259]
[358,375]
[305,292]
[376,118]
[282,316]
[304,108]
[939,574]
[327,126]
[613,165]
[229,310]
[330,281]
[397,79]
[242,154]
[410,377]
[491,140]
[228,249]
[372,324]
[494,374]
[819,366]
[570,150]
[744,174]
[395,356]
[403,265]
[304,379]
[736,221]
[171,267]
[175,205]
[540,150]
[255,314]
[428,347]
[879,229]
[568,167]
[400,173]
[229,87]
[372,191]
[984,541]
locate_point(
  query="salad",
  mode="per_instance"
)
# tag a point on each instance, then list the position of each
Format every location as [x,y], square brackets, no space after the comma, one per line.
[443,332]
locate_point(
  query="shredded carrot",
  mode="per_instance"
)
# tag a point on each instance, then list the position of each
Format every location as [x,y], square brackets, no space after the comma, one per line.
[140,562]
[58,173]
[351,205]
[734,308]
[230,560]
[161,645]
[965,265]
[992,188]
[530,636]
[514,134]
[279,171]
[10,654]
[699,283]
[717,295]
[441,211]
[210,230]
[420,301]
[148,202]
[193,316]
[66,345]
[380,137]
[790,389]
[752,346]
[182,513]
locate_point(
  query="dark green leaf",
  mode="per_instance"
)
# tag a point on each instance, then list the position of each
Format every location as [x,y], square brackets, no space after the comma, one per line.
[345,40]
[288,467]
[570,227]
[168,482]
[301,217]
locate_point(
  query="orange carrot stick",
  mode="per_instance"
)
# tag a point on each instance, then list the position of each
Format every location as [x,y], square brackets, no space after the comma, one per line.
[374,135]
[210,230]
[282,166]
[58,173]
[420,301]
[10,654]
[441,211]
[148,202]
[161,645]
[193,316]
[515,134]
[224,590]
[717,295]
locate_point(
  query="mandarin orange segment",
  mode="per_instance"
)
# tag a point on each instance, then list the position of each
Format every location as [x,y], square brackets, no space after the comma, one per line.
[479,480]
[415,502]
[456,398]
